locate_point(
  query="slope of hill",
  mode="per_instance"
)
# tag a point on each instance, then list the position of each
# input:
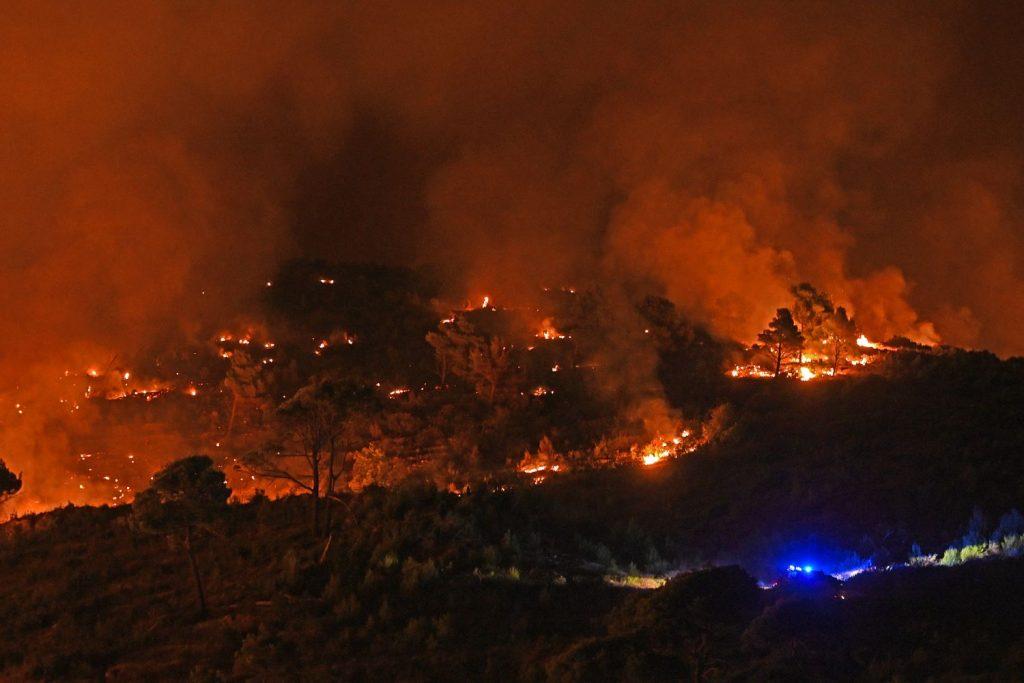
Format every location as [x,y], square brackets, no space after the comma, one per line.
[413,584]
[517,581]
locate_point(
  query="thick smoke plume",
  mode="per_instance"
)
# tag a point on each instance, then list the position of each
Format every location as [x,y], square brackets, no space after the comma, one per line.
[160,158]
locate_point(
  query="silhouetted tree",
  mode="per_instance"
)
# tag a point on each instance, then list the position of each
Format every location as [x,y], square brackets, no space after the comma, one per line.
[451,343]
[351,401]
[483,361]
[10,483]
[184,496]
[490,363]
[781,336]
[245,382]
[811,309]
[840,334]
[315,419]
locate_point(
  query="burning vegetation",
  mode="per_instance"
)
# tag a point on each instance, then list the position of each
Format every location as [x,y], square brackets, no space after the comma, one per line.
[813,339]
[404,385]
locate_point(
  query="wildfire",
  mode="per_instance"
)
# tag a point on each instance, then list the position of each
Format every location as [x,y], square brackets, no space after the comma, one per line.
[533,469]
[865,343]
[662,448]
[548,331]
[806,374]
[749,371]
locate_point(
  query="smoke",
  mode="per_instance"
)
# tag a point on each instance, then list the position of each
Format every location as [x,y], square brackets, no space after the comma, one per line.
[157,150]
[160,158]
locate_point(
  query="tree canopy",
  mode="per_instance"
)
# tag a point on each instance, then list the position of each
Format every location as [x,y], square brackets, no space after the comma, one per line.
[782,336]
[10,483]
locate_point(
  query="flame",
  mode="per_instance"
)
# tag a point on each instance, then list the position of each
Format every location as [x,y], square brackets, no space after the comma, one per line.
[533,469]
[741,371]
[806,374]
[548,331]
[865,343]
[662,448]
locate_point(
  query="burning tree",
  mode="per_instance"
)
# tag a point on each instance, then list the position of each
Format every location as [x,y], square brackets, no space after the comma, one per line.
[782,336]
[184,496]
[10,483]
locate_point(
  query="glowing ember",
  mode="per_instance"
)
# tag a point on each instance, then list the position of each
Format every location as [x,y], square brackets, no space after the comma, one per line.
[742,371]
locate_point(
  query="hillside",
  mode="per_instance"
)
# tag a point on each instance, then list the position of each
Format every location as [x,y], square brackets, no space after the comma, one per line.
[418,585]
[533,582]
[594,501]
